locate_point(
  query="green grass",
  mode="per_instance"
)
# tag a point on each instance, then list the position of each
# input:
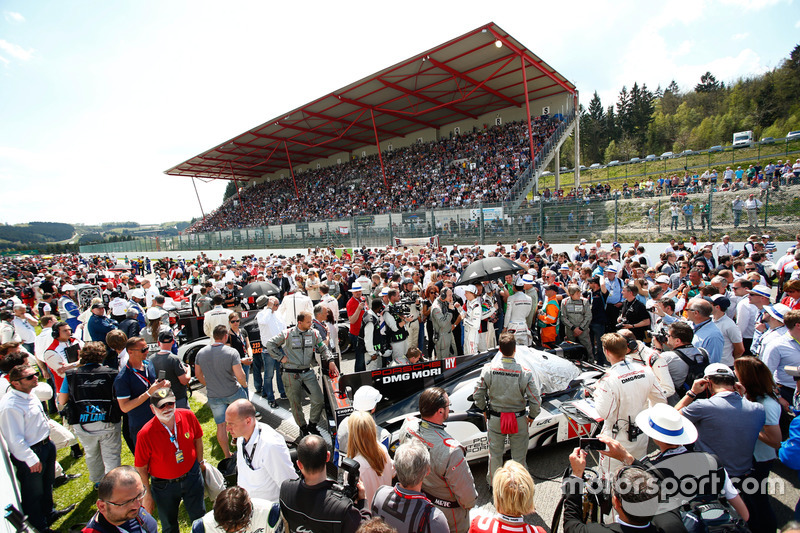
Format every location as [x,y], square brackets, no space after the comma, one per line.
[81,490]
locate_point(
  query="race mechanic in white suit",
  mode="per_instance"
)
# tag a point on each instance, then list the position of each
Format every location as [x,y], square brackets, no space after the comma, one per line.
[623,392]
[518,307]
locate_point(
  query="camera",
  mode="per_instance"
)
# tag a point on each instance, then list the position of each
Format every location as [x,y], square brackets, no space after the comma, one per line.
[661,337]
[399,310]
[353,471]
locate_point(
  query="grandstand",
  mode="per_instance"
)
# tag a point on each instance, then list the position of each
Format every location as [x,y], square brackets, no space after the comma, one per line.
[457,125]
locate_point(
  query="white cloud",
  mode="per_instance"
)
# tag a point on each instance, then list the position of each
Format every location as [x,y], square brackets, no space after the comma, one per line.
[751,5]
[740,36]
[684,48]
[13,16]
[4,60]
[15,50]
[797,24]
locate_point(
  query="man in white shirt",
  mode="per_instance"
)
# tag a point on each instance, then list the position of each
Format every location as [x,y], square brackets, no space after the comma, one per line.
[292,305]
[217,316]
[745,311]
[262,458]
[725,247]
[269,325]
[733,347]
[751,206]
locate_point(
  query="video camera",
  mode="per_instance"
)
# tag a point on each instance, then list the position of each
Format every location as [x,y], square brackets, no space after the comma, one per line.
[399,310]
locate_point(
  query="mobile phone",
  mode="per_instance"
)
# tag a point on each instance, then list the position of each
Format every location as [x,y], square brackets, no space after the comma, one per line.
[591,444]
[162,374]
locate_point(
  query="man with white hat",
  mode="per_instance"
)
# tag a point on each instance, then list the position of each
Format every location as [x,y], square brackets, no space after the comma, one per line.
[365,399]
[774,319]
[356,308]
[672,432]
[728,424]
[783,351]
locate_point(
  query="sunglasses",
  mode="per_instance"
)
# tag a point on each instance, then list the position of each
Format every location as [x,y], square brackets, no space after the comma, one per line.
[235,321]
[28,378]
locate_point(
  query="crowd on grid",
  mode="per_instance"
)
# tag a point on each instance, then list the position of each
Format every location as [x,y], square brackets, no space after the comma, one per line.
[461,170]
[699,346]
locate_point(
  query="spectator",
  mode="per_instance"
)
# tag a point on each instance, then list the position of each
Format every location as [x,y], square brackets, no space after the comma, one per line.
[99,324]
[311,502]
[262,458]
[223,378]
[236,512]
[119,505]
[169,458]
[365,399]
[733,347]
[362,445]
[175,371]
[512,494]
[706,333]
[270,325]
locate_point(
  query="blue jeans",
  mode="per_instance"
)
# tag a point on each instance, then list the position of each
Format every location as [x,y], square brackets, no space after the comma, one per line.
[219,405]
[359,349]
[271,367]
[167,497]
[257,369]
[36,488]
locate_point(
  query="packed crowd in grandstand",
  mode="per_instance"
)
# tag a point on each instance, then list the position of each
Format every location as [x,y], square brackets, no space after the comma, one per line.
[461,170]
[730,306]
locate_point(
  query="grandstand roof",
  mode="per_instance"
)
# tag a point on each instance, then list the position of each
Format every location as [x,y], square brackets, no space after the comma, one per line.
[457,80]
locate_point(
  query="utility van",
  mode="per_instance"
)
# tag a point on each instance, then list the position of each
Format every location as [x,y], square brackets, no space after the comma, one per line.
[742,139]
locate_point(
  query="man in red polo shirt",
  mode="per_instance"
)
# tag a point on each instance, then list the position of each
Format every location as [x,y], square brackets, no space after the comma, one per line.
[169,458]
[355,313]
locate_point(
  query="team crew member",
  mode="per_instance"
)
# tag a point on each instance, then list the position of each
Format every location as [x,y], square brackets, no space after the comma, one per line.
[404,506]
[508,393]
[623,392]
[169,458]
[62,348]
[262,458]
[518,307]
[299,344]
[23,425]
[235,511]
[396,328]
[134,385]
[365,399]
[576,315]
[218,316]
[441,312]
[472,320]
[450,485]
[548,315]
[119,505]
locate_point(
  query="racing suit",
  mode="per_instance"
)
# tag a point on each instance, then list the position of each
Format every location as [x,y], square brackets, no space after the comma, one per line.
[577,314]
[443,329]
[397,335]
[548,320]
[472,326]
[413,326]
[299,348]
[651,358]
[450,485]
[68,311]
[519,306]
[623,392]
[507,389]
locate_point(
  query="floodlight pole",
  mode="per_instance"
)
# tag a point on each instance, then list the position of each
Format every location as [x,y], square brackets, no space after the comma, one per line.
[377,142]
[528,112]
[291,169]
[198,199]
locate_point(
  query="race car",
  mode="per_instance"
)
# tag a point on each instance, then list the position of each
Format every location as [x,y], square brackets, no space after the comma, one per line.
[561,374]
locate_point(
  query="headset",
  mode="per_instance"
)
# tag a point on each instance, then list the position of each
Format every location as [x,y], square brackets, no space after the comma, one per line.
[56,328]
[632,343]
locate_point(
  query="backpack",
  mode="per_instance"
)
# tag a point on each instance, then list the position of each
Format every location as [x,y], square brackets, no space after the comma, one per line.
[696,369]
[713,517]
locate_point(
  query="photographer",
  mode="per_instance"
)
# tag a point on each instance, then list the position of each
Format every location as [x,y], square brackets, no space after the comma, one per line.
[684,361]
[441,312]
[313,502]
[672,433]
[396,316]
[640,495]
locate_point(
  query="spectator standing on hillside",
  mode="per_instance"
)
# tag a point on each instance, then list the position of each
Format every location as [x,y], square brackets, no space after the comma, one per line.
[674,212]
[752,205]
[688,215]
[737,205]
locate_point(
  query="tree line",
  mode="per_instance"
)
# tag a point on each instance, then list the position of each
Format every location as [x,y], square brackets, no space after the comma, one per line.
[643,121]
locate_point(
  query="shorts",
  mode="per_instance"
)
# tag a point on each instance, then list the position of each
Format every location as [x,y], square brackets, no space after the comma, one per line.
[219,405]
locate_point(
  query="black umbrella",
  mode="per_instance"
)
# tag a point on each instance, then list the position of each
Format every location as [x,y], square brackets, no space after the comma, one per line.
[258,288]
[489,269]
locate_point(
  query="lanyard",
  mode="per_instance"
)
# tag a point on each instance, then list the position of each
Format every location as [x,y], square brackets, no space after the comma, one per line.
[173,437]
[142,377]
[248,457]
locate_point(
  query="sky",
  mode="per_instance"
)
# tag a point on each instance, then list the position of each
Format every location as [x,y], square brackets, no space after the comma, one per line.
[98,99]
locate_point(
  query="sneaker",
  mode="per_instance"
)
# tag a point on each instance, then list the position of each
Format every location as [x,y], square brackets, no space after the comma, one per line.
[273,404]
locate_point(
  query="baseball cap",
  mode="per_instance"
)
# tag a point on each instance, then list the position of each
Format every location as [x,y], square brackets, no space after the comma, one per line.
[166,336]
[663,278]
[723,302]
[162,396]
[471,288]
[616,245]
[366,398]
[68,287]
[385,291]
[717,369]
[154,313]
[98,305]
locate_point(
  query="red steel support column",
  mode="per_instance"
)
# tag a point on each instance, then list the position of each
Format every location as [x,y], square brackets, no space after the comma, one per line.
[297,194]
[380,157]
[198,199]
[527,107]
